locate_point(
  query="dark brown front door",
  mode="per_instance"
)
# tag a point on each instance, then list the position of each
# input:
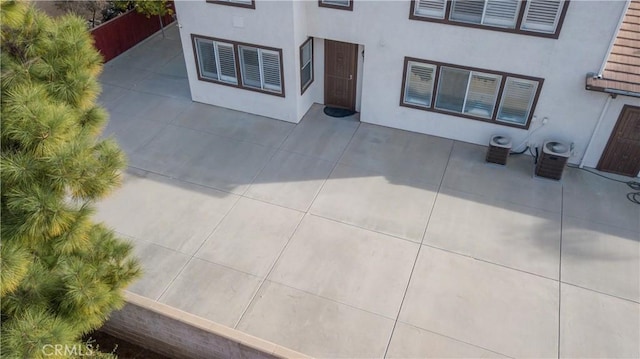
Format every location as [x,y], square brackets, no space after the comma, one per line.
[622,154]
[340,65]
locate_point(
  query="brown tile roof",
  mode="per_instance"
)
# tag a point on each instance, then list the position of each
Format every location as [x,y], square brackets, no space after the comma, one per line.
[622,70]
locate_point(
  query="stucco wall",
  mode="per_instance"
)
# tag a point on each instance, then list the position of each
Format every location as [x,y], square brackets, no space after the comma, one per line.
[388,36]
[314,92]
[270,24]
[384,31]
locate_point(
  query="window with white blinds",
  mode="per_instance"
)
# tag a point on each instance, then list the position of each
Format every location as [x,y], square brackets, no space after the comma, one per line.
[430,8]
[419,84]
[542,15]
[468,92]
[225,62]
[516,100]
[537,17]
[503,13]
[260,68]
[306,64]
[216,61]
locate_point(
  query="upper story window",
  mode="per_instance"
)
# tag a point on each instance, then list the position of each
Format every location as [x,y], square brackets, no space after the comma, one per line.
[485,95]
[533,17]
[306,64]
[241,65]
[337,4]
[250,4]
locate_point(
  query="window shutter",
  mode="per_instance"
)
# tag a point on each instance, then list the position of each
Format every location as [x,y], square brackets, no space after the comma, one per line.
[502,13]
[481,95]
[207,59]
[250,67]
[517,99]
[542,15]
[430,8]
[227,61]
[467,11]
[271,70]
[419,84]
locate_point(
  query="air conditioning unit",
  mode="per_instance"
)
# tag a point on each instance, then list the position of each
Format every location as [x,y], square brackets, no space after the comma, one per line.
[553,159]
[499,148]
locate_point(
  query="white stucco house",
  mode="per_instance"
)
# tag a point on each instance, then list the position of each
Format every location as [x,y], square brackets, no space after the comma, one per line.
[465,70]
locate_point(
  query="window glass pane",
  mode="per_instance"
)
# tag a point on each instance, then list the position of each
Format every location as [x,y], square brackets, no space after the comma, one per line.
[503,13]
[419,85]
[271,70]
[517,99]
[430,8]
[227,59]
[452,87]
[250,65]
[207,59]
[467,11]
[306,52]
[542,15]
[481,96]
[305,74]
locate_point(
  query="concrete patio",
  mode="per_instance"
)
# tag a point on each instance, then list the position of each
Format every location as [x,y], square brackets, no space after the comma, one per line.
[337,238]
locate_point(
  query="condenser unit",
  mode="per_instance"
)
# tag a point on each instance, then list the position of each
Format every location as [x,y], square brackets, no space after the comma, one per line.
[499,148]
[553,159]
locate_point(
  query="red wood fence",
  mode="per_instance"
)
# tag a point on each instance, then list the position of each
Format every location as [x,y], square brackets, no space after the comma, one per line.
[123,32]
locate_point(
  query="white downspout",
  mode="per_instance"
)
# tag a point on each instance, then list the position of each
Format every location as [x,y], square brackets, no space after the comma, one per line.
[595,130]
[613,39]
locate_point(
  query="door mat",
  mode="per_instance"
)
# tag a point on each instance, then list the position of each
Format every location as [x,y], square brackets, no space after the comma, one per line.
[337,112]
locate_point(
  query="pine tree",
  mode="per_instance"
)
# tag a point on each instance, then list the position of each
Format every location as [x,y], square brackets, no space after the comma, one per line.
[61,274]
